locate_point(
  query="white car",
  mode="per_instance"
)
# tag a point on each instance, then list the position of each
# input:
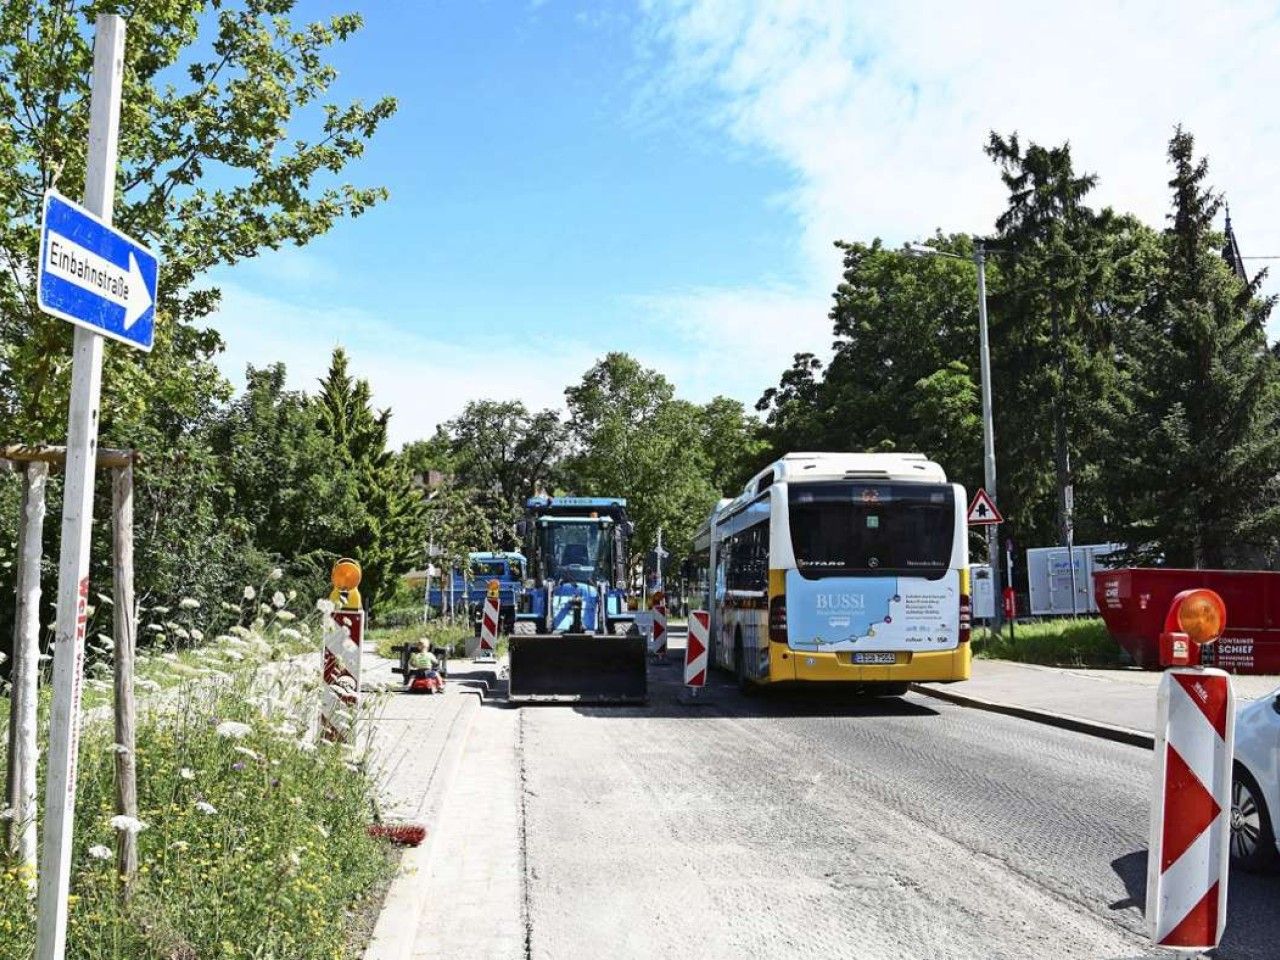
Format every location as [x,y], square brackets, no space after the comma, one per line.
[1255,787]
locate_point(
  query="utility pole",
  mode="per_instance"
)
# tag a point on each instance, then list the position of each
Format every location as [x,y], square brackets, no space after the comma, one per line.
[988,435]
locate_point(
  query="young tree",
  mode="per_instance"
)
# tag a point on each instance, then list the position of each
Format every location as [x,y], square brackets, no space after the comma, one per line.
[210,173]
[388,536]
[1198,452]
[733,444]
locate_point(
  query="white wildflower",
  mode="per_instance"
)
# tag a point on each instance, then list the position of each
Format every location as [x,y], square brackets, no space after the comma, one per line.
[324,605]
[208,809]
[189,603]
[235,655]
[160,610]
[238,631]
[154,628]
[293,594]
[186,773]
[229,607]
[289,633]
[143,683]
[127,824]
[107,642]
[170,625]
[197,635]
[99,852]
[179,631]
[264,608]
[180,845]
[295,857]
[3,656]
[250,593]
[105,598]
[296,801]
[306,746]
[169,657]
[286,616]
[278,600]
[322,830]
[275,574]
[233,729]
[252,755]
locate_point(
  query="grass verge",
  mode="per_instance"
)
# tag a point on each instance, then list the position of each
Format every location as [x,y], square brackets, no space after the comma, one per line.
[438,633]
[1055,643]
[251,834]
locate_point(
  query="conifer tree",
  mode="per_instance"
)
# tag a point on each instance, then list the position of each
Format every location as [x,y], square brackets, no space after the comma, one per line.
[389,536]
[1199,457]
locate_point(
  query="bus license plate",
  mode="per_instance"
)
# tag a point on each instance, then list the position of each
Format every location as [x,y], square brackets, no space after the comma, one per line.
[875,658]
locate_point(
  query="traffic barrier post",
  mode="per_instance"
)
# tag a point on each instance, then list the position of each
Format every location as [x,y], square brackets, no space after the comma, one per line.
[340,670]
[695,651]
[1188,857]
[658,638]
[487,653]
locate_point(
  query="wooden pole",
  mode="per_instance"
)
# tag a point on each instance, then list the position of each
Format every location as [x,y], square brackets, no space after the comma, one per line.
[24,744]
[126,632]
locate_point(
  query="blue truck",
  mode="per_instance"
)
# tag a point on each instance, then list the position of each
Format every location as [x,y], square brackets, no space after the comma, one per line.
[463,591]
[573,637]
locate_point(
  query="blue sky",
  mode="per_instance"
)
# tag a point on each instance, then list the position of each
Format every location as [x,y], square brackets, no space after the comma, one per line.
[667,177]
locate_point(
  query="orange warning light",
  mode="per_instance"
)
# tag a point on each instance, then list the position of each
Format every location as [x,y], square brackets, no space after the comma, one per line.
[346,574]
[492,588]
[1196,617]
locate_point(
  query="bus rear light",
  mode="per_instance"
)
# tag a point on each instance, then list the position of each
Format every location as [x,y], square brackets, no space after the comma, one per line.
[778,619]
[966,617]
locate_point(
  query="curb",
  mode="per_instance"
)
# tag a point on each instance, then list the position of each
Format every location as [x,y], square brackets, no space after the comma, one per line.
[393,934]
[1093,728]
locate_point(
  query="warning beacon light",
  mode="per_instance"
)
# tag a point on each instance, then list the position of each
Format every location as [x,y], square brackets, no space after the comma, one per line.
[1195,618]
[346,582]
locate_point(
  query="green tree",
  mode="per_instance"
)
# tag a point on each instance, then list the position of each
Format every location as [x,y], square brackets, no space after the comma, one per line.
[630,437]
[388,536]
[210,172]
[1197,452]
[506,454]
[733,444]
[903,375]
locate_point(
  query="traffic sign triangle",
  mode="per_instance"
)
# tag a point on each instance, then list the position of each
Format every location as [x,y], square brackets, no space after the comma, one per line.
[983,510]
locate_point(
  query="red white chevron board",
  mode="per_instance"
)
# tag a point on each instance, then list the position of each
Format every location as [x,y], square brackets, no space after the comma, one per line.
[695,651]
[658,639]
[1191,809]
[340,694]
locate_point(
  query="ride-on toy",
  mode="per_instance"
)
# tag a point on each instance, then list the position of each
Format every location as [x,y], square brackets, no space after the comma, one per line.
[421,679]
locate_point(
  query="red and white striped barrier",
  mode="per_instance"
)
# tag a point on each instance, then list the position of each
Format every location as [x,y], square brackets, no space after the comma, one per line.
[1191,809]
[658,639]
[695,650]
[488,631]
[340,695]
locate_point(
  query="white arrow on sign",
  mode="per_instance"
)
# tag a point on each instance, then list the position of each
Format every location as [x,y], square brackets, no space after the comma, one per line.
[86,269]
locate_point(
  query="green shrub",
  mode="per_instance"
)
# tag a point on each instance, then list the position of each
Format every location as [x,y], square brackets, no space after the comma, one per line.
[1072,643]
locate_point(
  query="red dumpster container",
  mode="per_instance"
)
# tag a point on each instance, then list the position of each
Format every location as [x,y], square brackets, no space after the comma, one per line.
[1133,602]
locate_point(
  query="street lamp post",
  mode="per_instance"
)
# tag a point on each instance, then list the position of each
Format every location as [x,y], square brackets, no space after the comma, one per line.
[988,424]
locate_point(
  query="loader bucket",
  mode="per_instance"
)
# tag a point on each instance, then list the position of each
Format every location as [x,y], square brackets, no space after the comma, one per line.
[578,668]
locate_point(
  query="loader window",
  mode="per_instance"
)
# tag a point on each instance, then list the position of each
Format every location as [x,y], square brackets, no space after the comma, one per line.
[576,552]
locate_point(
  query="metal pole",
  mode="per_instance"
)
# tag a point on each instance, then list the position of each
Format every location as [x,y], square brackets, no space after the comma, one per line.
[126,632]
[988,435]
[77,516]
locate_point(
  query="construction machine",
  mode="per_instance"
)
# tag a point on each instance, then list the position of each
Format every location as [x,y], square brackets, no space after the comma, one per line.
[575,638]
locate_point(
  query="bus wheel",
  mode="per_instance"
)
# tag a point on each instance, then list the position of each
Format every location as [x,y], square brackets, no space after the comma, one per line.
[740,668]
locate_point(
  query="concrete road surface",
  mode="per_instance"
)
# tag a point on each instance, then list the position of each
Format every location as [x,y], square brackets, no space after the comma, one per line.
[816,826]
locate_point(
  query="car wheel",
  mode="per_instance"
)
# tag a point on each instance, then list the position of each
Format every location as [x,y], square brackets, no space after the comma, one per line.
[1253,839]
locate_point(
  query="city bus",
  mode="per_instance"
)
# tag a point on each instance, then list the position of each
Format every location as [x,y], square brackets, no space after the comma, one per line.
[838,568]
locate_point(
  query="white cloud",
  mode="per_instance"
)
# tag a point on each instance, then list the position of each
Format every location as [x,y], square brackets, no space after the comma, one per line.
[881,111]
[424,379]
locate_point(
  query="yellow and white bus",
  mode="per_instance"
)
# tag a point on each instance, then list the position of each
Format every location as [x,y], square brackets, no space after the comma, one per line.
[838,568]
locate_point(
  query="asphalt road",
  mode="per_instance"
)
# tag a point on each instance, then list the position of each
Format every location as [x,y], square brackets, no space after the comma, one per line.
[806,826]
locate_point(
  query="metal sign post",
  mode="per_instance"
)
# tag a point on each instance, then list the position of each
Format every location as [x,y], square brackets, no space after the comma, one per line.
[77,517]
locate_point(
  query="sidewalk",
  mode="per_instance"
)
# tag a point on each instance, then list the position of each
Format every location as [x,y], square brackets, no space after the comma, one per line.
[458,894]
[1124,700]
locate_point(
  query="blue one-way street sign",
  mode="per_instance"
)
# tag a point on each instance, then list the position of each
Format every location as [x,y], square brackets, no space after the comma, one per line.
[94,275]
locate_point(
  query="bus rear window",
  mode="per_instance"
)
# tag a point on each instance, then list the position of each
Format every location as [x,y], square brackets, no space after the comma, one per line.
[893,529]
